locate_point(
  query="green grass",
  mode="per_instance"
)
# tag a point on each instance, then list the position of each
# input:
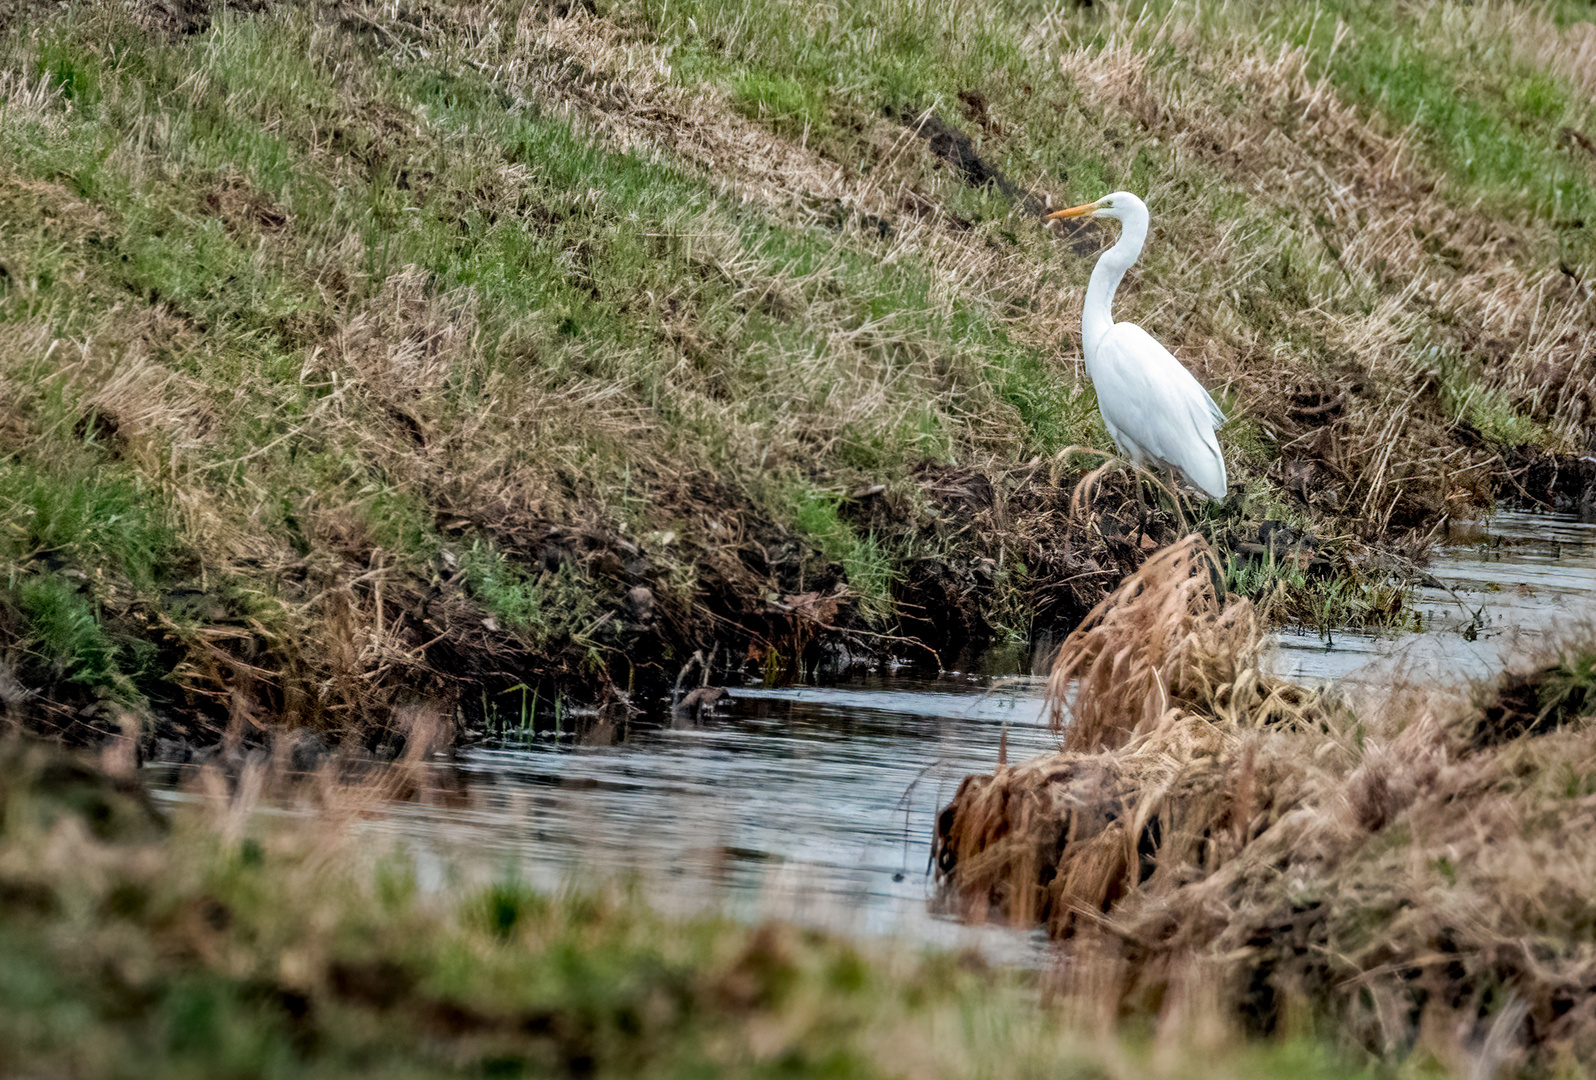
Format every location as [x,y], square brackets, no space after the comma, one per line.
[66,628]
[1471,400]
[514,596]
[1485,119]
[1493,128]
[548,608]
[82,535]
[868,565]
[900,51]
[95,516]
[792,107]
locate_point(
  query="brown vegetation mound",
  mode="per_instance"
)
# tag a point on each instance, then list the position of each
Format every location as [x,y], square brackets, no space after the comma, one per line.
[1212,847]
[1153,694]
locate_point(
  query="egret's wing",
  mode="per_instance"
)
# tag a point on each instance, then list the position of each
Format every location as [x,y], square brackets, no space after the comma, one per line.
[1150,399]
[1143,380]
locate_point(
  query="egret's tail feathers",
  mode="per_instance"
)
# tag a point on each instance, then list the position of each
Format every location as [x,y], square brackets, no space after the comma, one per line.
[1216,413]
[1208,476]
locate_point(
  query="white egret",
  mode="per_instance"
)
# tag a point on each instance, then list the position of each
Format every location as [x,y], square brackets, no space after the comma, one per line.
[1157,413]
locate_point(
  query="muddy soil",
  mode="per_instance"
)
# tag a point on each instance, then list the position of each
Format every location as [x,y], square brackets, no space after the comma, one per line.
[1019,554]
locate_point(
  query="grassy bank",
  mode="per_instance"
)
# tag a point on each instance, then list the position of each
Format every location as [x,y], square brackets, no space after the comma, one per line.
[208,944]
[351,356]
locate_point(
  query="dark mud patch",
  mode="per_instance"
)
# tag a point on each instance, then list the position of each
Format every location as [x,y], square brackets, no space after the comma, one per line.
[958,151]
[1537,479]
[183,18]
[243,209]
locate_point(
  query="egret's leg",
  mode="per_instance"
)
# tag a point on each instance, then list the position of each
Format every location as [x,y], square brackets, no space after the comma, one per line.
[1141,501]
[1174,498]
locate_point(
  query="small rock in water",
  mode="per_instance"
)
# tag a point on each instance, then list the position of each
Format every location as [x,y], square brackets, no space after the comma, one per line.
[699,701]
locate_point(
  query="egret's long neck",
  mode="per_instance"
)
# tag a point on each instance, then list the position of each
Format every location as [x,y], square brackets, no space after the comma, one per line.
[1098,315]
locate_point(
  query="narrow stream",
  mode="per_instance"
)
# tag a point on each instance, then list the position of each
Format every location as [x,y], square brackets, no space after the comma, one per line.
[816,804]
[1502,586]
[810,804]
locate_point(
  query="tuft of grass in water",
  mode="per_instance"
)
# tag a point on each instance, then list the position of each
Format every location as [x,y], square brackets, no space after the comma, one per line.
[1568,688]
[1285,592]
[1292,581]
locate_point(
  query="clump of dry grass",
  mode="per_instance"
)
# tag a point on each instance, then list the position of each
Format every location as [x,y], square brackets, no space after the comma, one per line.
[1166,640]
[1424,894]
[1160,701]
[1414,873]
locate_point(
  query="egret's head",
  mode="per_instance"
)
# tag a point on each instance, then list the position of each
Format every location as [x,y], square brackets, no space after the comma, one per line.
[1121,205]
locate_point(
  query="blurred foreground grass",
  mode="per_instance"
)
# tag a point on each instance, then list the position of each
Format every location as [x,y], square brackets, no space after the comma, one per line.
[205,944]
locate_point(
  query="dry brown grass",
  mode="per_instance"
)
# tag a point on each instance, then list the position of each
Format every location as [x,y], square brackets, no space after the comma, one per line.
[1164,642]
[1416,873]
[1160,703]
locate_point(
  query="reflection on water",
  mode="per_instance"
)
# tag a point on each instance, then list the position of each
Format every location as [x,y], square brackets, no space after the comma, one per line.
[1502,586]
[817,804]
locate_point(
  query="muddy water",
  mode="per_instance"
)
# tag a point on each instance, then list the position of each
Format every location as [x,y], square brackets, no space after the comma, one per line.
[816,804]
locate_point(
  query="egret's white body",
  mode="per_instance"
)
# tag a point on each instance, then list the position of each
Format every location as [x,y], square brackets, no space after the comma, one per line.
[1157,413]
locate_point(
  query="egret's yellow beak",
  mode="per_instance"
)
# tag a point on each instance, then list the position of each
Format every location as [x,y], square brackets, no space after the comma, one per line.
[1074,211]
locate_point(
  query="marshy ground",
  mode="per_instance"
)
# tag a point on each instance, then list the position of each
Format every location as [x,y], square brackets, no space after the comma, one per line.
[373,369]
